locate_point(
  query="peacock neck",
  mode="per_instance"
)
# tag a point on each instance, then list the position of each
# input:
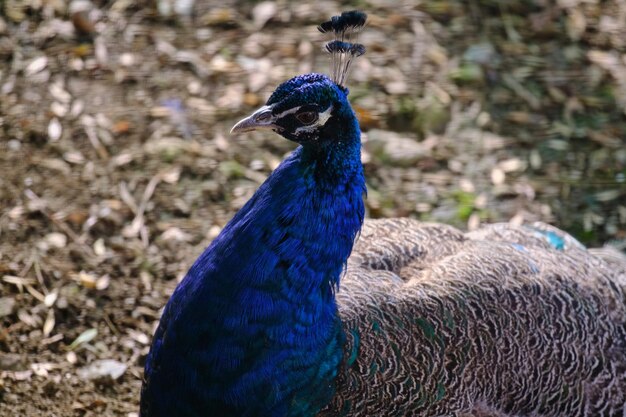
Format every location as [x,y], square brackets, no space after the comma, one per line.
[266,286]
[319,222]
[336,161]
[333,178]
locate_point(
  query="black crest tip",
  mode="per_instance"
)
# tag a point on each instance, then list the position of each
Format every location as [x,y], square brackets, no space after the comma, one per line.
[338,47]
[325,27]
[357,50]
[353,19]
[346,21]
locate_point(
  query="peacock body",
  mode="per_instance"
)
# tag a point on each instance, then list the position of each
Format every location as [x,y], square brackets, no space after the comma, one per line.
[496,322]
[427,321]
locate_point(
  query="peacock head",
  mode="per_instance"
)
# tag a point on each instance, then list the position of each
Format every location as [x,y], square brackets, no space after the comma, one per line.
[313,109]
[305,109]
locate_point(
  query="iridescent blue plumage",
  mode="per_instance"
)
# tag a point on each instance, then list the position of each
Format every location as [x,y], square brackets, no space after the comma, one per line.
[253,328]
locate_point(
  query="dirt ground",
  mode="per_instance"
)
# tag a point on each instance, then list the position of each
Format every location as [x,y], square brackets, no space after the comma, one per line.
[116,167]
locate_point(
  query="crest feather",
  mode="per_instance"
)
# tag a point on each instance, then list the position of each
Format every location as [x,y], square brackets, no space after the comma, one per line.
[347,21]
[343,52]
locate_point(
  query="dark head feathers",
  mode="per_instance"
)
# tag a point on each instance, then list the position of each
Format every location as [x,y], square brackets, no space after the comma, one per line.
[342,51]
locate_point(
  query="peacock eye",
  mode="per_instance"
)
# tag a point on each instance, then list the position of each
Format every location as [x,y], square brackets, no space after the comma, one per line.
[307,117]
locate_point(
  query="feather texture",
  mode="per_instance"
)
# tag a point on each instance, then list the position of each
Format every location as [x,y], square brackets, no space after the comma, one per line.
[496,321]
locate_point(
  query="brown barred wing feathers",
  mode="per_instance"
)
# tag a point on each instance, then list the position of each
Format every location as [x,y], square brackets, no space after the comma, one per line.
[505,321]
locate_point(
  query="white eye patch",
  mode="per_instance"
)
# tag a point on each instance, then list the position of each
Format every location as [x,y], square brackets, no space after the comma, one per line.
[321,121]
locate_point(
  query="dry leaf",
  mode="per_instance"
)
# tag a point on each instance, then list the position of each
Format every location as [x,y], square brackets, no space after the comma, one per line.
[48,324]
[36,65]
[85,337]
[50,299]
[56,240]
[102,368]
[54,129]
[497,176]
[86,280]
[103,282]
[263,12]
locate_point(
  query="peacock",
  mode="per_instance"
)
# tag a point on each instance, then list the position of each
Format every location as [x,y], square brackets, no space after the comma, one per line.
[300,308]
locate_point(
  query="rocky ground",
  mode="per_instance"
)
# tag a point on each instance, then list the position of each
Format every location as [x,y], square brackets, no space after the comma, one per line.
[117,168]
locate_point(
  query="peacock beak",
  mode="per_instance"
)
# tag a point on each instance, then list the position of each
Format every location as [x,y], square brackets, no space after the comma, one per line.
[260,119]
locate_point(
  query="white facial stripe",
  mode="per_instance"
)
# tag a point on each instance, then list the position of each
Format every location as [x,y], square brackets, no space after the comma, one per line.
[324,116]
[286,112]
[321,121]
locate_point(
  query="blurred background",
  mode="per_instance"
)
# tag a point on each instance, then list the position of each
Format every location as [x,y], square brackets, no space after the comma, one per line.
[117,170]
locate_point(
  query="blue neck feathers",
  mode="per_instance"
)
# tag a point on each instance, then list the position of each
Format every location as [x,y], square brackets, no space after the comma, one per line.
[259,315]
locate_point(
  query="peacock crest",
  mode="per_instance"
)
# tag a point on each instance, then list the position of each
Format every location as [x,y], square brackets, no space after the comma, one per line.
[343,49]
